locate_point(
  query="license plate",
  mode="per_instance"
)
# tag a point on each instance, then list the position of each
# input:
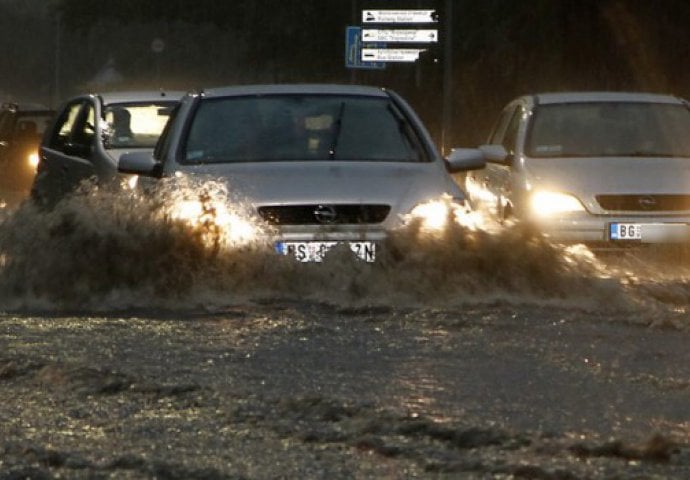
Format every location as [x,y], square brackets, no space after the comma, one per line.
[625,231]
[316,251]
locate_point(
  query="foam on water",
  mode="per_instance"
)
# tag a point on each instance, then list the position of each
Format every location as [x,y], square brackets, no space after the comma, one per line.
[105,251]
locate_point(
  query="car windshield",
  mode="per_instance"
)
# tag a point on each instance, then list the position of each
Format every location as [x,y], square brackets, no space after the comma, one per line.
[300,127]
[610,129]
[135,125]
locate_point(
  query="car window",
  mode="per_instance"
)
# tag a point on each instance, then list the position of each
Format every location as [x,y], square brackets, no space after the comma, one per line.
[300,127]
[163,142]
[64,124]
[617,129]
[136,125]
[499,129]
[84,128]
[510,137]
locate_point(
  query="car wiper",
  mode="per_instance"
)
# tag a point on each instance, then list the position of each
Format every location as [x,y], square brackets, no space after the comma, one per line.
[336,131]
[407,132]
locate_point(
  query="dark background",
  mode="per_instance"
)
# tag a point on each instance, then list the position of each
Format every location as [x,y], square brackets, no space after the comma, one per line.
[499,48]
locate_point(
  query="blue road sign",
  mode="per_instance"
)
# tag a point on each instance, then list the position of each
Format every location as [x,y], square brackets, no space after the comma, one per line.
[353,50]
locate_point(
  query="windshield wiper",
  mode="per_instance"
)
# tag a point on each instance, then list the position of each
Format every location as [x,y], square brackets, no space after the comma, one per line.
[336,131]
[407,132]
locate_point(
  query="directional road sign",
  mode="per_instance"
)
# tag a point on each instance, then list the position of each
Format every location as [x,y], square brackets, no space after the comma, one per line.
[399,16]
[390,54]
[353,50]
[401,36]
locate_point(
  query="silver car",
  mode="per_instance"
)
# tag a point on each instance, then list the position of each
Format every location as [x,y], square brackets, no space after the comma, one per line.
[321,164]
[89,134]
[598,168]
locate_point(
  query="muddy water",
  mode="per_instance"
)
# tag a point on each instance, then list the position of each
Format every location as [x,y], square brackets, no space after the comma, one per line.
[134,345]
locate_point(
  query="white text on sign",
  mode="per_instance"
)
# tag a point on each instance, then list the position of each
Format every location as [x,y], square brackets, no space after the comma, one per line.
[391,54]
[399,16]
[402,36]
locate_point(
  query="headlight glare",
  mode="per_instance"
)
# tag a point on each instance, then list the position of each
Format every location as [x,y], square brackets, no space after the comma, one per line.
[545,204]
[32,160]
[433,215]
[233,227]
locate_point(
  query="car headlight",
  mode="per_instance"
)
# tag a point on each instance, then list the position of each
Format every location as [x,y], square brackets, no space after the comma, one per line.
[435,215]
[545,204]
[32,160]
[234,227]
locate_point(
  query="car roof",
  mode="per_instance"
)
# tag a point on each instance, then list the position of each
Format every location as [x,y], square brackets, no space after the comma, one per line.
[297,88]
[140,96]
[25,107]
[575,97]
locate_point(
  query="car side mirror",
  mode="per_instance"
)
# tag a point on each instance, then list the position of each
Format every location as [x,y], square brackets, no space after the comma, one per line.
[496,153]
[465,159]
[139,163]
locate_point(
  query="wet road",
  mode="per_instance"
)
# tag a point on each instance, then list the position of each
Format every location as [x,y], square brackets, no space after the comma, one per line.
[135,346]
[297,389]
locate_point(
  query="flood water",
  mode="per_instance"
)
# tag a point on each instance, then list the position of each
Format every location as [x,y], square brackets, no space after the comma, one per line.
[136,345]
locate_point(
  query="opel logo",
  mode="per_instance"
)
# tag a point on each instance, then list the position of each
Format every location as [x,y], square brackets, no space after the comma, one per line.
[325,214]
[647,202]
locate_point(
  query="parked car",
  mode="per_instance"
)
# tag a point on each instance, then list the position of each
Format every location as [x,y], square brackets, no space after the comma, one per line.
[91,132]
[21,128]
[600,168]
[322,164]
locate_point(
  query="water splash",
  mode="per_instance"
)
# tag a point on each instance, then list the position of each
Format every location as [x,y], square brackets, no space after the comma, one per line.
[192,245]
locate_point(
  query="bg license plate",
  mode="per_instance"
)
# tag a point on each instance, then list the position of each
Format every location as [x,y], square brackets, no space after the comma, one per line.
[315,251]
[625,231]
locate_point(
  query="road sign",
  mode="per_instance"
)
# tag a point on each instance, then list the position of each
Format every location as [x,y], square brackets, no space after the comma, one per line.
[353,51]
[399,16]
[391,54]
[400,36]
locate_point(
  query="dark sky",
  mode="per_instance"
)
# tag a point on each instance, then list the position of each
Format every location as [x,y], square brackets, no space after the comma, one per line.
[499,49]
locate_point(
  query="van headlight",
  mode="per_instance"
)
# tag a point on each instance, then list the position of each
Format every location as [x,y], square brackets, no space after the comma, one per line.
[546,204]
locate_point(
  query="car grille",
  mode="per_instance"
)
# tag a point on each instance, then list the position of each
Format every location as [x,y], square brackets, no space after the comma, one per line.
[644,203]
[323,214]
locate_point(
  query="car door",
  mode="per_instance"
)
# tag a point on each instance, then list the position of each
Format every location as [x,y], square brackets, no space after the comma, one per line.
[65,156]
[490,188]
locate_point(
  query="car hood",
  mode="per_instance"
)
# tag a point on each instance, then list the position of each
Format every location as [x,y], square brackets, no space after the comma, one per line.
[401,185]
[591,176]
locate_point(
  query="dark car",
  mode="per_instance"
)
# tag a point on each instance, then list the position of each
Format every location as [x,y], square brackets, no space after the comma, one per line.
[21,129]
[91,132]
